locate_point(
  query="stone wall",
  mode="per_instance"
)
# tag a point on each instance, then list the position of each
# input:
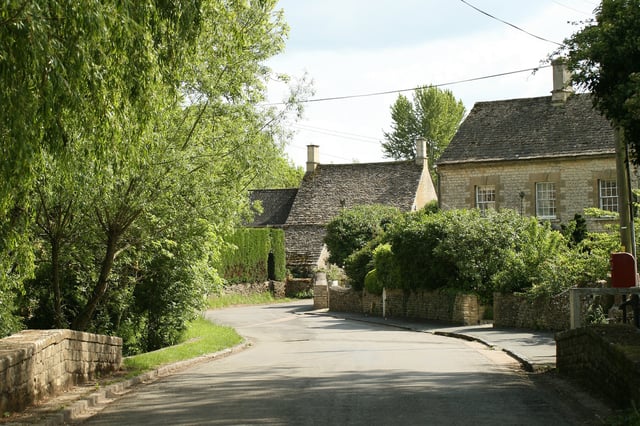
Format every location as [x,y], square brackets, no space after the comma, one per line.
[606,358]
[39,363]
[279,289]
[543,313]
[576,184]
[431,305]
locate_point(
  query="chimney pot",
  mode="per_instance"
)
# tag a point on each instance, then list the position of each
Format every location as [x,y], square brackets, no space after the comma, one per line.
[421,150]
[313,157]
[562,88]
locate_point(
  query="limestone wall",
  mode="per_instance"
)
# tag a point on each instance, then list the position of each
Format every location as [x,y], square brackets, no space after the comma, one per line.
[431,305]
[38,363]
[576,182]
[605,358]
[543,313]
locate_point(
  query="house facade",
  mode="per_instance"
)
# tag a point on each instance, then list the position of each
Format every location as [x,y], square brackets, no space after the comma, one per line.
[549,157]
[326,189]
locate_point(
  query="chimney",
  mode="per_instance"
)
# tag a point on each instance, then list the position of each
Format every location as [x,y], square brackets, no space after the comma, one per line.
[562,88]
[313,157]
[421,151]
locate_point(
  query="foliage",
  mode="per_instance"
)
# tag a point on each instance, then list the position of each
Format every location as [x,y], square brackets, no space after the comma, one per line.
[139,153]
[358,264]
[353,228]
[384,260]
[604,59]
[434,114]
[227,300]
[372,283]
[246,259]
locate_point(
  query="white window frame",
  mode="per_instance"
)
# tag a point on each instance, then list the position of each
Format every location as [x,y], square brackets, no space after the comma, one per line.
[546,198]
[485,198]
[608,195]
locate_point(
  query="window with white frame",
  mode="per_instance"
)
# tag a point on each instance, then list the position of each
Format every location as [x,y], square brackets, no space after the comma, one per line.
[608,194]
[546,200]
[485,198]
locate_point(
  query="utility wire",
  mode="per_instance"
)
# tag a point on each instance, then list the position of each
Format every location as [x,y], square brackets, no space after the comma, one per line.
[389,92]
[510,24]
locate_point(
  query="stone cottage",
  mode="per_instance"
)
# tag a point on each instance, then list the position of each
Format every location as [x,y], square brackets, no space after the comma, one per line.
[549,157]
[328,188]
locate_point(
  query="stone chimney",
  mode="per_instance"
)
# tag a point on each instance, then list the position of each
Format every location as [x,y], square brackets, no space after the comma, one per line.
[421,151]
[313,157]
[562,88]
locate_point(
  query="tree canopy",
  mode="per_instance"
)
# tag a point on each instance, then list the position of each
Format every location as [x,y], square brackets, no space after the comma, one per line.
[433,114]
[604,58]
[133,132]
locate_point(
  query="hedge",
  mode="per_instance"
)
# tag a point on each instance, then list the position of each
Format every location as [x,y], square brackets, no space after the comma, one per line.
[248,262]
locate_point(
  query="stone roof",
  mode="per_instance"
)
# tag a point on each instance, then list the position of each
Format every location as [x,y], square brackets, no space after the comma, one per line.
[530,128]
[276,205]
[331,187]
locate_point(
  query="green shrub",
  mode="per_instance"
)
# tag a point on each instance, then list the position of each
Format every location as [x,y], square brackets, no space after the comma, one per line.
[372,284]
[247,259]
[388,271]
[357,265]
[353,228]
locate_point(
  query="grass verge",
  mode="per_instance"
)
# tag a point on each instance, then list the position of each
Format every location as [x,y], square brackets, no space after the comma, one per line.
[226,300]
[202,337]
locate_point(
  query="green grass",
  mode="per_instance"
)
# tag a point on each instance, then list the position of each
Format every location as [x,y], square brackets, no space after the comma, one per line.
[224,301]
[202,337]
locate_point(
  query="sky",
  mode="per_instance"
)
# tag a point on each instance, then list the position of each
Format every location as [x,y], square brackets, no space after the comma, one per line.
[356,47]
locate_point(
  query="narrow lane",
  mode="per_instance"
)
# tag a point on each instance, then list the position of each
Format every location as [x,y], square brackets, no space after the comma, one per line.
[317,370]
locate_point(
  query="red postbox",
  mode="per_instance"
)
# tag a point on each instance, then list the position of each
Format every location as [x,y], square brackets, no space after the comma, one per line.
[623,270]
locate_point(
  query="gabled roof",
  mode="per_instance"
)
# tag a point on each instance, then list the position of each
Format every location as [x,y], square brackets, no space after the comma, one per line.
[276,205]
[530,128]
[331,187]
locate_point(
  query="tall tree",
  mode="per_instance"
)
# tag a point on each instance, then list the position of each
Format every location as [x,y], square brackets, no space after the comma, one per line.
[175,179]
[434,115]
[70,67]
[604,58]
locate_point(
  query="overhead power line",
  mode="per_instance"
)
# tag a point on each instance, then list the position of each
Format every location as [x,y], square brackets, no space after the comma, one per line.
[390,92]
[510,24]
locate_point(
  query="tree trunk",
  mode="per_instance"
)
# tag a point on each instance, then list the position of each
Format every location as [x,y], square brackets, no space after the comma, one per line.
[624,193]
[83,319]
[55,282]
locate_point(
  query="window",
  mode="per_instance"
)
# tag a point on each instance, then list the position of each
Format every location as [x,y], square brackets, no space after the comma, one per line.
[608,190]
[485,198]
[546,200]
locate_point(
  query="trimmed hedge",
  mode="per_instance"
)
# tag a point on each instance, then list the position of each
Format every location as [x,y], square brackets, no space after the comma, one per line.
[249,262]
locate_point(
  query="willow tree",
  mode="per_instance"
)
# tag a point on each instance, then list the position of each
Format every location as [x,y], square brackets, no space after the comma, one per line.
[139,130]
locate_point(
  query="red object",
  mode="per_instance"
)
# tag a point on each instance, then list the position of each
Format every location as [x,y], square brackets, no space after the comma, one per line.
[623,270]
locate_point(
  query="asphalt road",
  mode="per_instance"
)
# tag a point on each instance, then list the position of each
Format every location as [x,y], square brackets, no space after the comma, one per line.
[306,369]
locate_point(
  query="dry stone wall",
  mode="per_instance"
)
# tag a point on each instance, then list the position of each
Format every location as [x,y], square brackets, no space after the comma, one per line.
[39,363]
[431,305]
[604,358]
[541,313]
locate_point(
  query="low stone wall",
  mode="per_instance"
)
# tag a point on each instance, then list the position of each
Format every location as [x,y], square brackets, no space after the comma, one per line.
[39,363]
[431,305]
[279,289]
[297,286]
[606,358]
[320,297]
[542,313]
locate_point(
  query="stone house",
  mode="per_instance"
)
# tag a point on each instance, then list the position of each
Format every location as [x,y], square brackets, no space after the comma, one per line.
[328,188]
[549,157]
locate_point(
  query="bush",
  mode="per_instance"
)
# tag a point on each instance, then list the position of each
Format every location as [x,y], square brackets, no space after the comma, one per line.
[247,260]
[357,265]
[372,284]
[385,263]
[353,228]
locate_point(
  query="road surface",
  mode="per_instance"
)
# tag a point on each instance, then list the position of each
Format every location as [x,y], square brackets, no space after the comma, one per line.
[307,369]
